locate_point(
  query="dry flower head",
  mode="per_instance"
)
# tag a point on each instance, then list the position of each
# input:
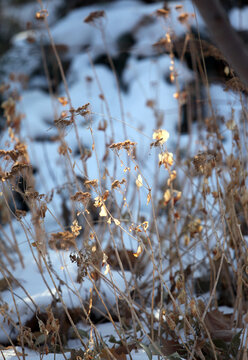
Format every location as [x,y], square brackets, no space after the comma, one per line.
[138,252]
[81,197]
[93,16]
[75,228]
[91,183]
[139,181]
[172,177]
[166,159]
[117,184]
[161,135]
[127,145]
[162,12]
[63,100]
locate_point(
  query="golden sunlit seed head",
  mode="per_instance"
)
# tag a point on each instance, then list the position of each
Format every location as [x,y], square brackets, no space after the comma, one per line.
[168,37]
[166,159]
[167,196]
[172,77]
[139,181]
[75,228]
[161,135]
[145,225]
[226,70]
[186,240]
[173,175]
[116,221]
[176,195]
[63,100]
[103,211]
[91,183]
[98,201]
[138,252]
[107,269]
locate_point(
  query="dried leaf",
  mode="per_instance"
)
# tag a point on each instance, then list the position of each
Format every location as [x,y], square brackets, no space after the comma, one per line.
[219,325]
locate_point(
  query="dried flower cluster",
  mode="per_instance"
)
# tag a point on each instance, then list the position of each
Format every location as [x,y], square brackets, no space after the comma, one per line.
[127,145]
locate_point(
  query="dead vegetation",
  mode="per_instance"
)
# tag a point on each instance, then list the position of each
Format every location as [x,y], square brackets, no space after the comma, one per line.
[170,302]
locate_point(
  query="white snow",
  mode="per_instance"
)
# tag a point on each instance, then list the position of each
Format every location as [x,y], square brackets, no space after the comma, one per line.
[146,82]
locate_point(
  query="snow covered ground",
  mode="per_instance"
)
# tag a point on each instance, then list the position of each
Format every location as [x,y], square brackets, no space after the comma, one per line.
[127,116]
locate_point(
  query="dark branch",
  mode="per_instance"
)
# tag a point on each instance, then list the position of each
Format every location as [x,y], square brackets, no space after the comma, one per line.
[225,36]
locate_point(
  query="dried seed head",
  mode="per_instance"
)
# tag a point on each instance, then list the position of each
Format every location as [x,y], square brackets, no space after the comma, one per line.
[116,221]
[93,16]
[115,184]
[127,145]
[172,177]
[82,110]
[162,12]
[186,240]
[98,201]
[105,195]
[195,227]
[139,181]
[183,18]
[63,100]
[91,183]
[41,15]
[103,212]
[138,252]
[167,196]
[166,159]
[161,135]
[75,228]
[176,195]
[81,197]
[204,162]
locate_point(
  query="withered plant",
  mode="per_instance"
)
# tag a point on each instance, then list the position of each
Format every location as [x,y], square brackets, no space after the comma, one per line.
[189,246]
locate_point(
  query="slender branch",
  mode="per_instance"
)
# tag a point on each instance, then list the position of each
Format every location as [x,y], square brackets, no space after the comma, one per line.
[225,37]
